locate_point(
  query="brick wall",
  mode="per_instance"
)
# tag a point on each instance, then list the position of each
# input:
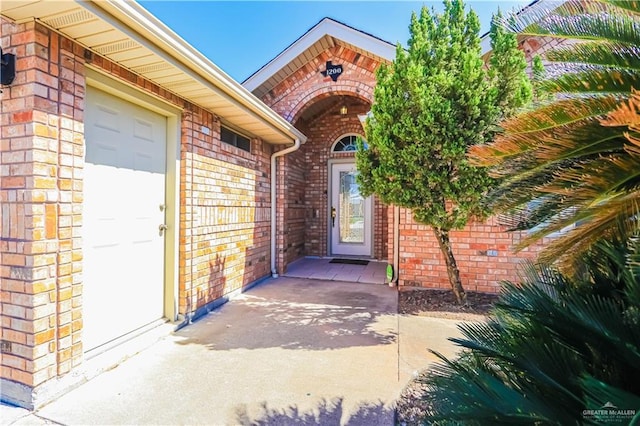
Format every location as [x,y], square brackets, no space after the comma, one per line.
[41,200]
[303,175]
[224,236]
[291,229]
[225,213]
[306,85]
[483,251]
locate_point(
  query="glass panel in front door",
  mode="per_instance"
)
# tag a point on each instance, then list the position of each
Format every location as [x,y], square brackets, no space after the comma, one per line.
[350,210]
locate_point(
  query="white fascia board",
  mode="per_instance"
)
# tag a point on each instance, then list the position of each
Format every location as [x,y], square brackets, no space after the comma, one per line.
[163,41]
[325,27]
[362,40]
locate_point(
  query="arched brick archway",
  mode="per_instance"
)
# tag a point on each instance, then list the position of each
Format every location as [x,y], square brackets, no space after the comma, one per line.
[306,181]
[311,102]
[348,88]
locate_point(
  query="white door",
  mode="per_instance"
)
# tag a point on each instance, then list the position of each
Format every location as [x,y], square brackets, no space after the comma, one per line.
[124,196]
[350,214]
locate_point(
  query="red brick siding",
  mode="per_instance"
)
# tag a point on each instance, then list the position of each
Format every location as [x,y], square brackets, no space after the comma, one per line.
[536,46]
[225,213]
[307,84]
[224,205]
[292,200]
[303,175]
[41,165]
[484,254]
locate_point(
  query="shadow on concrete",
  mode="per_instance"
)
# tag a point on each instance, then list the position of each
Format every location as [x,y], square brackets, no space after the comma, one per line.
[299,314]
[325,413]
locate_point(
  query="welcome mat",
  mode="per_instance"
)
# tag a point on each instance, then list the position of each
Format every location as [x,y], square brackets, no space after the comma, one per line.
[350,261]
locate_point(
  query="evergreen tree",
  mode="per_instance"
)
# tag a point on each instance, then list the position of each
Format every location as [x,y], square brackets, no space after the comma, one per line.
[431,104]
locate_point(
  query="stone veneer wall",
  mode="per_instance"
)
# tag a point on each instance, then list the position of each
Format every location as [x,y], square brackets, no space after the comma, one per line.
[224,237]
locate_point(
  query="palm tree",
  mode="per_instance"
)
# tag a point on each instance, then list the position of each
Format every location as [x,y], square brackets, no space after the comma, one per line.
[553,350]
[572,164]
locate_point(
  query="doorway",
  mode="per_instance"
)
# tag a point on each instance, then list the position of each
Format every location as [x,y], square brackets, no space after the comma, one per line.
[350,214]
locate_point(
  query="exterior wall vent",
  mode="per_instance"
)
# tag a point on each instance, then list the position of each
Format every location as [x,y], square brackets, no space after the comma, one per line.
[161,66]
[117,47]
[69,19]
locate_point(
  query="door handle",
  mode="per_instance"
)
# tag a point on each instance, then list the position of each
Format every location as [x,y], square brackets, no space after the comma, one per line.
[333,217]
[161,228]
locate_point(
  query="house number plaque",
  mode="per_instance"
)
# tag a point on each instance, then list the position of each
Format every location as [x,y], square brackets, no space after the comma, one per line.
[332,71]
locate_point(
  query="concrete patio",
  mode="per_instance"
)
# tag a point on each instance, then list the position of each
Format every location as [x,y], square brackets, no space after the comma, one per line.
[290,350]
[321,268]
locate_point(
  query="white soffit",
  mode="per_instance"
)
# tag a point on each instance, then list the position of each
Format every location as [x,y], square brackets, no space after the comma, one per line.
[127,34]
[327,33]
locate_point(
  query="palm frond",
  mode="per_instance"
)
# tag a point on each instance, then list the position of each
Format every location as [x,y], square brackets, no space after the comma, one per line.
[590,229]
[627,114]
[577,157]
[606,54]
[550,348]
[630,6]
[592,20]
[595,80]
[471,391]
[598,394]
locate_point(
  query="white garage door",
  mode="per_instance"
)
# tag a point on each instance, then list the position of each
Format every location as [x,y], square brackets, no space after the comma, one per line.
[124,196]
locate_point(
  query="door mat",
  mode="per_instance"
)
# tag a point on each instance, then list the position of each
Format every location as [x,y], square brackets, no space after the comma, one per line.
[350,261]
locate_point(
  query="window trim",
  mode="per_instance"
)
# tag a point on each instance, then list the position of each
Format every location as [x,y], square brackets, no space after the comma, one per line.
[338,140]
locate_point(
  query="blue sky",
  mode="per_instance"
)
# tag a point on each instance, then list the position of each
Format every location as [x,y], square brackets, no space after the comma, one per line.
[242,36]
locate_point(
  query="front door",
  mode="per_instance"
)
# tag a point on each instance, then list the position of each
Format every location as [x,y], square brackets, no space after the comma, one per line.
[350,214]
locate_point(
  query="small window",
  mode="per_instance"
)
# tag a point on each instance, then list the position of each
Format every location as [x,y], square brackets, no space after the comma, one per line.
[347,144]
[232,138]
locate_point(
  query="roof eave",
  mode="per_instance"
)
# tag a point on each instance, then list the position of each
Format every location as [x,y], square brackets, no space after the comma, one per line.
[159,36]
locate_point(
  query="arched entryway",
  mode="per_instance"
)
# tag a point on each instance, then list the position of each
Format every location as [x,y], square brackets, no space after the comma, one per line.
[326,167]
[324,107]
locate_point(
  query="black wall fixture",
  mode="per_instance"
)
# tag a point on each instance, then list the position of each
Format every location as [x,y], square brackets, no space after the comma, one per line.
[7,68]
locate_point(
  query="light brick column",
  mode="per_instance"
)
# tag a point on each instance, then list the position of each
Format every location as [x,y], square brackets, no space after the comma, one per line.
[41,195]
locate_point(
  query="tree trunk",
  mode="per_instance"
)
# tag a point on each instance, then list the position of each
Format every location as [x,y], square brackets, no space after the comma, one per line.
[442,235]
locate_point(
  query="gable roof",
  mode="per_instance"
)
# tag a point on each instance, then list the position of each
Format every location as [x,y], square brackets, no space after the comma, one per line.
[325,34]
[129,35]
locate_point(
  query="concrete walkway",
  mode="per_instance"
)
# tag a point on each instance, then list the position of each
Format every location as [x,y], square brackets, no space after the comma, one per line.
[322,268]
[288,351]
